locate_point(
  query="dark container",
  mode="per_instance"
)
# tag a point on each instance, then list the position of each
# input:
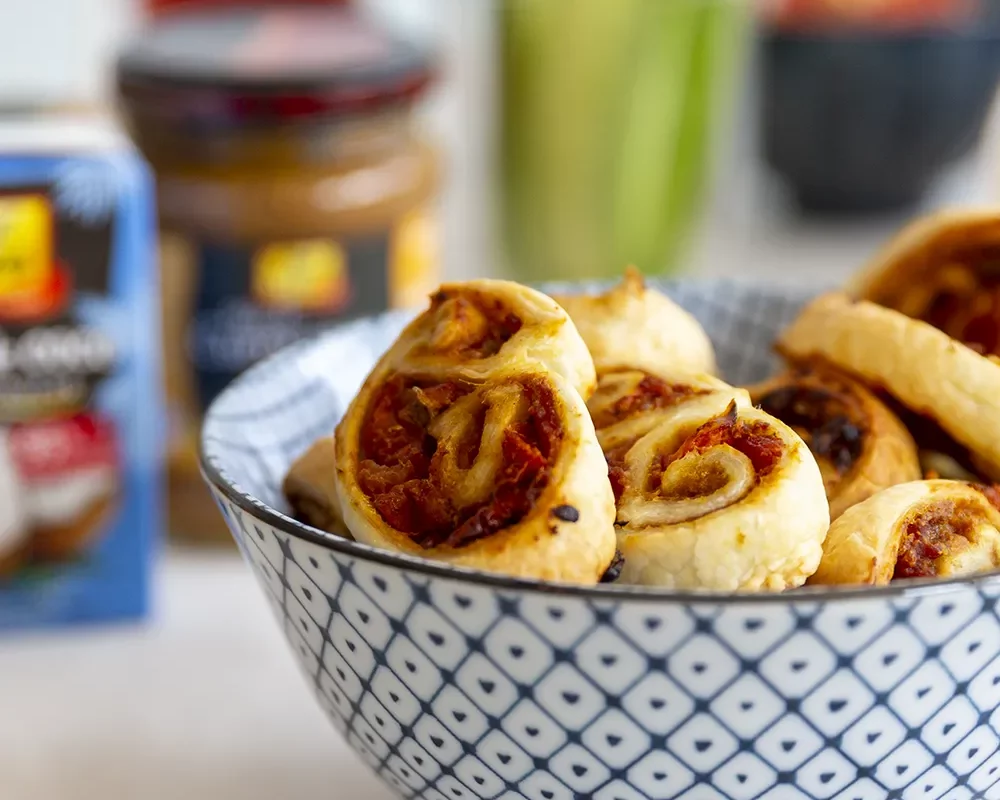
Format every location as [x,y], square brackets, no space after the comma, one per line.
[861,122]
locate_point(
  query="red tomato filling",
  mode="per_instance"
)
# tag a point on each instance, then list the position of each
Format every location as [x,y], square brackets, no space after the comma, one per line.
[397,458]
[651,393]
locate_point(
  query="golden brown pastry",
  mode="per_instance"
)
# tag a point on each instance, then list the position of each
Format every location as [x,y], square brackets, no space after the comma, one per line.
[922,368]
[922,529]
[629,401]
[472,445]
[639,327]
[478,327]
[945,270]
[310,488]
[860,445]
[711,493]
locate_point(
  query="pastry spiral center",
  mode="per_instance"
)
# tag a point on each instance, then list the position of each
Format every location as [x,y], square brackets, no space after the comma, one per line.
[946,537]
[450,463]
[696,485]
[470,325]
[941,529]
[470,437]
[710,469]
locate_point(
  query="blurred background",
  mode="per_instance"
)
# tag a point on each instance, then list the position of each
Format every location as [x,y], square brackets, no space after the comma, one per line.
[311,162]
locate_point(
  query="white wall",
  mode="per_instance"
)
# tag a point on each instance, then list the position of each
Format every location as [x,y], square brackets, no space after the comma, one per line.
[55,52]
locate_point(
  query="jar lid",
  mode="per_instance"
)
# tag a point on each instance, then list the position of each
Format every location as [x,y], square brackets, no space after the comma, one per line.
[268,64]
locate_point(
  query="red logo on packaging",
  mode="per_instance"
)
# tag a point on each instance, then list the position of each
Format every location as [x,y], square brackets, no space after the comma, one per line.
[47,449]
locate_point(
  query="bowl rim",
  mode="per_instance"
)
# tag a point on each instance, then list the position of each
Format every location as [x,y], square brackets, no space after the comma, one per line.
[216,477]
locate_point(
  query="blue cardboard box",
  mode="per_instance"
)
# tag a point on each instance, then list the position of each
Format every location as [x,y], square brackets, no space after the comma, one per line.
[80,405]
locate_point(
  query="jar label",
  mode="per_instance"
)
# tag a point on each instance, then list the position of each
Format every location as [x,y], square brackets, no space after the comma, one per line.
[305,276]
[252,301]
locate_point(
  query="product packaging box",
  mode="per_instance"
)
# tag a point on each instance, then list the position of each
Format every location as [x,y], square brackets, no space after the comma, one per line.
[80,408]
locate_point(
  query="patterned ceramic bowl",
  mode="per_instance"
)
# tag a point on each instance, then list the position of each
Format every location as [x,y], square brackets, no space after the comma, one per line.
[456,685]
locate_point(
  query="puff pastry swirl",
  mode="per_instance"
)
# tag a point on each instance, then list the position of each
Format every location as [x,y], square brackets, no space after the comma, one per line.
[922,529]
[923,368]
[860,445]
[711,493]
[943,269]
[470,441]
[475,328]
[633,325]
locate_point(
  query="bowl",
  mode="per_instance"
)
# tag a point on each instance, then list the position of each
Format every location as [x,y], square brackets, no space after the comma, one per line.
[862,122]
[456,685]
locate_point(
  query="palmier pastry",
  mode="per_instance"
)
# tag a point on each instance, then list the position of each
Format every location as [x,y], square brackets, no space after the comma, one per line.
[711,493]
[311,491]
[922,529]
[922,368]
[640,327]
[449,453]
[944,270]
[860,445]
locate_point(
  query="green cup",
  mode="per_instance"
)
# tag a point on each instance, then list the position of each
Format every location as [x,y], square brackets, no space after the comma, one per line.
[609,110]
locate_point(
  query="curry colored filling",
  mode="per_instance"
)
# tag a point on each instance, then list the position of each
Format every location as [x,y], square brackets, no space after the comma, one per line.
[470,324]
[827,420]
[963,299]
[754,439]
[397,462]
[938,530]
[649,394]
[617,473]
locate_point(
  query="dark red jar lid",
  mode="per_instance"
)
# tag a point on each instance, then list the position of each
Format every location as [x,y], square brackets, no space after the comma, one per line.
[268,64]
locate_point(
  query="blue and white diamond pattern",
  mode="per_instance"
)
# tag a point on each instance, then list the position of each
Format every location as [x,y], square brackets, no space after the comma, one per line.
[556,696]
[456,690]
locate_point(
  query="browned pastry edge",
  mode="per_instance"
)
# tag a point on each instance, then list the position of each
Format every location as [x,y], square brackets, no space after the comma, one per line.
[922,368]
[887,455]
[920,248]
[951,526]
[310,488]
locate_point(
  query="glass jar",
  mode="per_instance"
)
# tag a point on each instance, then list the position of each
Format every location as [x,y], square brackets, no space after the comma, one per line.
[293,193]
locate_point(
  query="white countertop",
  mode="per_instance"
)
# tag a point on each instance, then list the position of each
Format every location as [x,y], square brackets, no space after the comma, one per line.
[203,702]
